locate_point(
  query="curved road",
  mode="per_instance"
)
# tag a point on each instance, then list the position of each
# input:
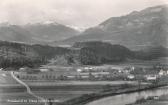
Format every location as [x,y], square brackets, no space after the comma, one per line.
[28,89]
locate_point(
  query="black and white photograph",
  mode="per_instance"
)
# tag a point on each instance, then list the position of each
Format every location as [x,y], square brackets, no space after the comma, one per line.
[83,52]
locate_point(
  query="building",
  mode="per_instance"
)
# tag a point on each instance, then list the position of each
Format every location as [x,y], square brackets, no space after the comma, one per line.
[40,75]
[131,77]
[151,77]
[86,73]
[163,72]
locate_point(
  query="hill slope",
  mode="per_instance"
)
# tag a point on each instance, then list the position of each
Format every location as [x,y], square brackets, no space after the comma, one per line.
[19,55]
[50,32]
[35,33]
[84,53]
[138,29]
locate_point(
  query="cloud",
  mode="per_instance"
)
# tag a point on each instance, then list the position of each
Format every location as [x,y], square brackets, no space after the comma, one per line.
[81,13]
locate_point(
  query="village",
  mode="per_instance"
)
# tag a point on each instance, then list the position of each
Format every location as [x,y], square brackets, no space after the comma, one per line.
[128,73]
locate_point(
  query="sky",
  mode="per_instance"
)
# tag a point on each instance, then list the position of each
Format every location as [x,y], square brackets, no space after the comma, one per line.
[77,13]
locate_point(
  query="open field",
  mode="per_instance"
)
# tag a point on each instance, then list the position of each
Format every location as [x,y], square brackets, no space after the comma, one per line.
[6,79]
[59,92]
[80,83]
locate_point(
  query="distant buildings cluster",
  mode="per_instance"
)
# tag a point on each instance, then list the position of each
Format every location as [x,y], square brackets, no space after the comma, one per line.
[86,73]
[92,73]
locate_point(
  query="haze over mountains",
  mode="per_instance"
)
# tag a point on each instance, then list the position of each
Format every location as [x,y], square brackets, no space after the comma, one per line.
[138,29]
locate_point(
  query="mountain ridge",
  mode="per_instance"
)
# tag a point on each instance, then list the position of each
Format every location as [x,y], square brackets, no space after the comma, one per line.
[148,27]
[38,33]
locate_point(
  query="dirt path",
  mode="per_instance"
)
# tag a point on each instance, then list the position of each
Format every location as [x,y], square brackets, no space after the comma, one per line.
[29,90]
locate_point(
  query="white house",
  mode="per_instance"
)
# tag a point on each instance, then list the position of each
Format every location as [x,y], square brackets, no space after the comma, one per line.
[130,76]
[162,72]
[151,77]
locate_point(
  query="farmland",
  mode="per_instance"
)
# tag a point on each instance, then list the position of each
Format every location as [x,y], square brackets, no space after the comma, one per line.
[63,90]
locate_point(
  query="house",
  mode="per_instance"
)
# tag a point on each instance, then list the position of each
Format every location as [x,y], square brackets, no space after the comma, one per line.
[162,72]
[151,77]
[131,77]
[79,70]
[44,70]
[71,76]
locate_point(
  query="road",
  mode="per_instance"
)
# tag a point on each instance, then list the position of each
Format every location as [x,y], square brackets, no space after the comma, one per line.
[28,89]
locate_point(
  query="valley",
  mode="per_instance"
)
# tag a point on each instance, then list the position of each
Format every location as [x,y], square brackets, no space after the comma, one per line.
[117,62]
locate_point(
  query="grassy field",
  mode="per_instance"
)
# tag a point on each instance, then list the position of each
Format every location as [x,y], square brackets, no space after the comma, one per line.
[58,92]
[61,93]
[80,83]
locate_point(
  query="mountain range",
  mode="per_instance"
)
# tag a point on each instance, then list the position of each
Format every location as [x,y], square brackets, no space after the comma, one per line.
[38,33]
[136,30]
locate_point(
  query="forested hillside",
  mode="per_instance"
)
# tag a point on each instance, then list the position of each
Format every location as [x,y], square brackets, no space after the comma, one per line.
[81,53]
[18,55]
[97,52]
